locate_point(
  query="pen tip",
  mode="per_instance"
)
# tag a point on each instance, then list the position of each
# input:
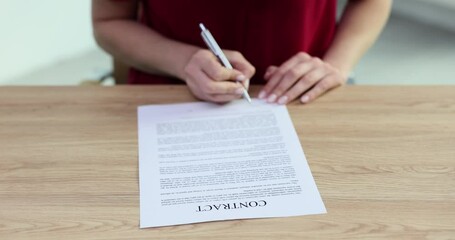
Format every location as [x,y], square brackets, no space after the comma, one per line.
[247,97]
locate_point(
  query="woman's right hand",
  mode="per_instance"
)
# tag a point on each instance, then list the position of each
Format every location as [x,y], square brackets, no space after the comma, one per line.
[208,80]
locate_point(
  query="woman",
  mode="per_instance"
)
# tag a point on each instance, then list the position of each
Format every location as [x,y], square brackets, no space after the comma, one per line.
[295,47]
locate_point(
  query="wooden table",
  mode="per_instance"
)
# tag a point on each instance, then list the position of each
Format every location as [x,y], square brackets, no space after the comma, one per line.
[383,159]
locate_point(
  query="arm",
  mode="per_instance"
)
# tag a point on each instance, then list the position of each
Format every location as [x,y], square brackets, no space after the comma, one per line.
[308,77]
[359,27]
[118,32]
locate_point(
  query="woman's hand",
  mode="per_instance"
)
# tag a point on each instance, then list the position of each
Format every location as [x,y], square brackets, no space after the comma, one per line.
[209,80]
[301,76]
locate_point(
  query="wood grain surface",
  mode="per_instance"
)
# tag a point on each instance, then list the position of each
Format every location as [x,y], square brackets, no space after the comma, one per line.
[383,159]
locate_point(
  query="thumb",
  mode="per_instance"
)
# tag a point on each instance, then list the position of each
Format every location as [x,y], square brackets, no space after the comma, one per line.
[238,76]
[239,62]
[269,72]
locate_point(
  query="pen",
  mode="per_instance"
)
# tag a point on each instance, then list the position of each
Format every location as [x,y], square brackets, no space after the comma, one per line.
[215,48]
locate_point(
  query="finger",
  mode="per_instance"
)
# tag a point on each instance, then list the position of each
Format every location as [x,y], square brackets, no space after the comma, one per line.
[217,72]
[245,84]
[223,98]
[269,72]
[279,73]
[305,83]
[319,89]
[240,63]
[289,79]
[210,86]
[225,87]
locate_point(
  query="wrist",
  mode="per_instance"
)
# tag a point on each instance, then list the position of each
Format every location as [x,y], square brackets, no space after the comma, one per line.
[181,57]
[342,66]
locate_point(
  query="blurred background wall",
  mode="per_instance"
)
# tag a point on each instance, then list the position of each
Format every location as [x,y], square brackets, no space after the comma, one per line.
[37,36]
[49,42]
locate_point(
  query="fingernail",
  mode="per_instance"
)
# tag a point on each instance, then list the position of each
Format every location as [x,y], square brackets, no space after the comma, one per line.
[241,78]
[283,100]
[238,91]
[305,99]
[262,95]
[271,98]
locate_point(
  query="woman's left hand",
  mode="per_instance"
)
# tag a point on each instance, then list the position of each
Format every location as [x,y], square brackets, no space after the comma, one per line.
[301,76]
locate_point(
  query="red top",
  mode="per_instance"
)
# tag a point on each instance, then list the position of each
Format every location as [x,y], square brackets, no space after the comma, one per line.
[266,32]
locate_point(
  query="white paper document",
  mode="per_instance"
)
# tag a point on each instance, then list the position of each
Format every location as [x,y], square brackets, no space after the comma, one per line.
[202,162]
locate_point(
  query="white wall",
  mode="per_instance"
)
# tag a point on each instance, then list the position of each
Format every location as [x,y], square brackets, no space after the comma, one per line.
[440,13]
[445,3]
[35,34]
